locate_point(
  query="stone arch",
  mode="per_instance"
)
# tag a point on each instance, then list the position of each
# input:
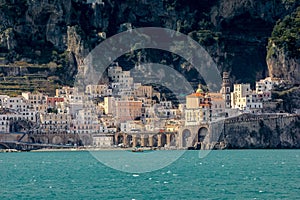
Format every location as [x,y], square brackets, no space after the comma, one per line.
[202,132]
[129,140]
[173,140]
[44,140]
[186,134]
[70,141]
[86,140]
[57,140]
[154,139]
[120,139]
[163,139]
[138,140]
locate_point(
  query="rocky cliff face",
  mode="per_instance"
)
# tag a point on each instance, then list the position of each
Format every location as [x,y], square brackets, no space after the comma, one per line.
[283,66]
[235,32]
[284,49]
[273,132]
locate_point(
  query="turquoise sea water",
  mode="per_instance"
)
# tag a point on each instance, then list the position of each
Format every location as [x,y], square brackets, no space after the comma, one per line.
[228,174]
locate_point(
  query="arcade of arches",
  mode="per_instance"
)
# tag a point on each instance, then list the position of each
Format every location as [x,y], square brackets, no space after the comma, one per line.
[146,140]
[187,138]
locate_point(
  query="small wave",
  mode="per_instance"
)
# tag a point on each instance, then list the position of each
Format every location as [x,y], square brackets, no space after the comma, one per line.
[135,175]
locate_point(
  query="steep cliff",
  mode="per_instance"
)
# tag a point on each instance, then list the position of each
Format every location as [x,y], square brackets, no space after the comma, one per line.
[234,32]
[247,131]
[284,49]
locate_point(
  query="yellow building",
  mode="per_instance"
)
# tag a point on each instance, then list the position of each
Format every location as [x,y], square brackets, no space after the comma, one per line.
[243,98]
[109,105]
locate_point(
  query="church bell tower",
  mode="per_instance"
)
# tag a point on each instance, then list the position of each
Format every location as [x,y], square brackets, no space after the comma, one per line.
[226,90]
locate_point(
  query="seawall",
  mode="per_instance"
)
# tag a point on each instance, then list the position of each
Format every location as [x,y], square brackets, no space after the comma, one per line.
[262,131]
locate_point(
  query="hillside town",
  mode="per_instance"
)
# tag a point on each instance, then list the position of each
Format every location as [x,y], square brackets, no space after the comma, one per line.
[104,111]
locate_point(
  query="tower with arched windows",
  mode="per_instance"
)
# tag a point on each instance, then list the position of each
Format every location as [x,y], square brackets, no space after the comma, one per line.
[226,90]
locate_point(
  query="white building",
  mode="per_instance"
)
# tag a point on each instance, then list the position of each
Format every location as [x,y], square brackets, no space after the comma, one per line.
[17,103]
[4,123]
[266,84]
[103,140]
[98,90]
[86,122]
[35,100]
[3,100]
[131,126]
[75,103]
[253,103]
[166,104]
[166,111]
[54,123]
[119,76]
[243,98]
[264,88]
[122,83]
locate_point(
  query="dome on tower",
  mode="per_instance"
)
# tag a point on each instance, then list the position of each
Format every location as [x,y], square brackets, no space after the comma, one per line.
[199,90]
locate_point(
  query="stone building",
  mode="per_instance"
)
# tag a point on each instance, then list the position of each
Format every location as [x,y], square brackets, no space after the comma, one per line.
[226,89]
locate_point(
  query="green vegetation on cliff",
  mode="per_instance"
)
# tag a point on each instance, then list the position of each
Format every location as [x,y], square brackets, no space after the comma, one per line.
[286,36]
[58,34]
